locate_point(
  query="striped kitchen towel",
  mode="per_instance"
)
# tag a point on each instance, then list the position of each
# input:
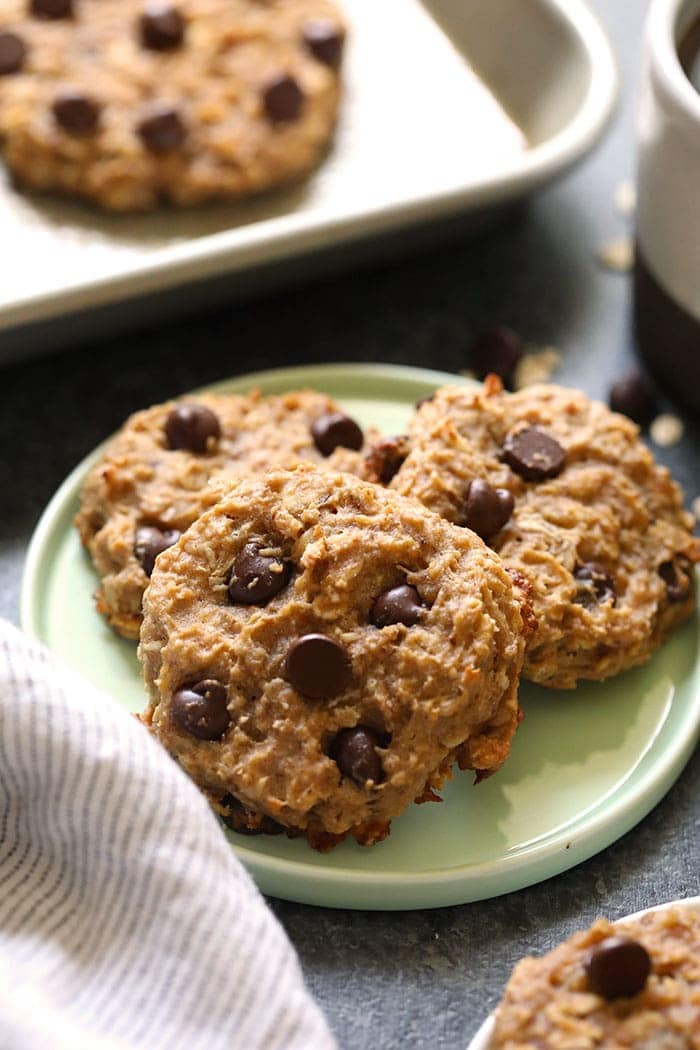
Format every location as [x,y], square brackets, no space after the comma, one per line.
[125,918]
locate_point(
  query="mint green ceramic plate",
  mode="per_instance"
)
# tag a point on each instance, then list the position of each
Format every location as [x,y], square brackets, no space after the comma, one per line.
[585,767]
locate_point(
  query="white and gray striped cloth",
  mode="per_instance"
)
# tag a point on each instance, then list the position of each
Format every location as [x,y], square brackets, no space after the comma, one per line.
[125,919]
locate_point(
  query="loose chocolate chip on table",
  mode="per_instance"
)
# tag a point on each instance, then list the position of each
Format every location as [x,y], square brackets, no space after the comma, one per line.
[384,459]
[257,577]
[201,710]
[336,430]
[317,666]
[191,426]
[354,751]
[150,542]
[618,968]
[324,40]
[283,98]
[497,350]
[676,576]
[533,454]
[52,8]
[401,604]
[634,396]
[13,52]
[162,129]
[486,509]
[76,113]
[162,26]
[595,584]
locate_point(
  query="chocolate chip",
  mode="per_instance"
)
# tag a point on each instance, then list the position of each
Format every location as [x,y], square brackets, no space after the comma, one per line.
[355,752]
[52,8]
[150,542]
[676,576]
[385,458]
[533,454]
[336,430]
[486,509]
[245,822]
[317,666]
[191,426]
[76,113]
[634,396]
[618,968]
[162,129]
[201,710]
[162,26]
[324,40]
[497,350]
[595,584]
[283,98]
[13,52]
[256,577]
[401,604]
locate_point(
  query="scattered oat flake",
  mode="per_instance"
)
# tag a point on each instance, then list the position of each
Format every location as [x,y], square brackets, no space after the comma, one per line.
[696,507]
[536,366]
[666,430]
[626,197]
[617,254]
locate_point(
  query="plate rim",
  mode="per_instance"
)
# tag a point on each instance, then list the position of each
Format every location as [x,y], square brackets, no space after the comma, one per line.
[311,883]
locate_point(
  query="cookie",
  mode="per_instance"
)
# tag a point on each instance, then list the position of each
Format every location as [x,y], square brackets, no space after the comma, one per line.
[161,472]
[564,490]
[129,103]
[632,984]
[319,651]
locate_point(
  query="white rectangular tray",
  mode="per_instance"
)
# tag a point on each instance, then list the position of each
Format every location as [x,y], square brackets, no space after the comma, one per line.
[418,138]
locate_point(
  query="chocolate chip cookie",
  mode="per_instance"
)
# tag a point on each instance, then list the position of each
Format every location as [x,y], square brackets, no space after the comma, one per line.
[632,984]
[132,102]
[564,490]
[162,469]
[319,651]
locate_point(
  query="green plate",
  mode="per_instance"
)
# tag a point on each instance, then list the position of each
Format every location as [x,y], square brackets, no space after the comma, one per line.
[585,767]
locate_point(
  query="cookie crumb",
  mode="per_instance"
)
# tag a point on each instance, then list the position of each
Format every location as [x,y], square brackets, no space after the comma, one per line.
[536,366]
[625,198]
[617,255]
[666,430]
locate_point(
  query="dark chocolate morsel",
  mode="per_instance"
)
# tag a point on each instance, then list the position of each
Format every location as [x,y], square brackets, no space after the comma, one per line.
[533,454]
[162,26]
[634,396]
[201,710]
[399,605]
[355,752]
[283,98]
[676,576]
[618,968]
[162,129]
[52,8]
[498,350]
[191,426]
[317,666]
[75,112]
[150,542]
[324,40]
[13,52]
[595,584]
[486,509]
[385,458]
[336,430]
[257,577]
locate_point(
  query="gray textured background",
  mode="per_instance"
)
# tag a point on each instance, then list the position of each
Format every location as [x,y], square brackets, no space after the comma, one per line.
[417,979]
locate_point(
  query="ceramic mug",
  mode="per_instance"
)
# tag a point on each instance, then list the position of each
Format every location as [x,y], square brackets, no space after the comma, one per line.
[667,266]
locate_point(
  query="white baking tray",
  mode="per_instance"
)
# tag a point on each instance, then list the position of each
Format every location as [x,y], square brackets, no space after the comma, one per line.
[418,139]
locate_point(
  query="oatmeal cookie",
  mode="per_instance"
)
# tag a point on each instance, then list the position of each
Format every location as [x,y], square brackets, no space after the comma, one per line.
[319,651]
[132,102]
[163,469]
[632,984]
[569,496]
